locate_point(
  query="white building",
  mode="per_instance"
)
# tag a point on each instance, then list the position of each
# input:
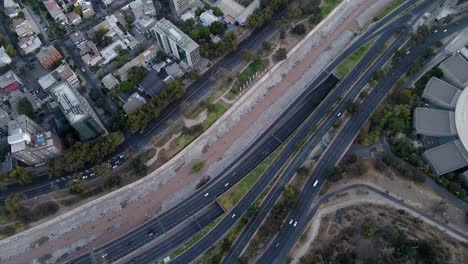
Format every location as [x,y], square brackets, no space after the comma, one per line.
[180,6]
[4,58]
[108,53]
[11,8]
[207,18]
[173,41]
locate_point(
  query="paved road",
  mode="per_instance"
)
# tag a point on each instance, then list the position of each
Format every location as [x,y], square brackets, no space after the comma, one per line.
[288,235]
[255,154]
[218,232]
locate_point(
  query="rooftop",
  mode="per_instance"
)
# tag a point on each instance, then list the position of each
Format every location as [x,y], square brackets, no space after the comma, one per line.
[447,157]
[457,67]
[174,33]
[69,101]
[46,52]
[433,122]
[441,93]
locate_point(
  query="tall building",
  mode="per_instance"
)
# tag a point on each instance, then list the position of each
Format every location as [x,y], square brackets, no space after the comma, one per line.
[173,41]
[30,144]
[78,112]
[180,6]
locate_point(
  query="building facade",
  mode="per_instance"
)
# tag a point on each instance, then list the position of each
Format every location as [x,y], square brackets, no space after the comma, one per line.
[180,6]
[173,41]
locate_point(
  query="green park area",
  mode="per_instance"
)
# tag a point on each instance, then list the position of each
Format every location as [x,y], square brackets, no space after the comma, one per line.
[254,67]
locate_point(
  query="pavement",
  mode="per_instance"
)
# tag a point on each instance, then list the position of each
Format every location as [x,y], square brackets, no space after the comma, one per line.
[288,236]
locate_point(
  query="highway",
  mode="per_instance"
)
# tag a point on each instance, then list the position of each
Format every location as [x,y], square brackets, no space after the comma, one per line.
[255,154]
[221,186]
[218,232]
[199,90]
[288,235]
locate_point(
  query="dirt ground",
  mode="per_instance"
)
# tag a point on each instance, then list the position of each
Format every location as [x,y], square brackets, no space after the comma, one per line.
[351,220]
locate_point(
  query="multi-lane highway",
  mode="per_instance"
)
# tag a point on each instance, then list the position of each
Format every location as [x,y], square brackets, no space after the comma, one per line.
[288,235]
[198,198]
[320,112]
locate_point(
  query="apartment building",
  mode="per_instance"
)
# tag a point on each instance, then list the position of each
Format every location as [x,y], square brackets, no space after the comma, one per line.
[48,56]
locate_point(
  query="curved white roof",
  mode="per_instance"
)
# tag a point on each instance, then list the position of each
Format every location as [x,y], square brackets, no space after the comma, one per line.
[461,118]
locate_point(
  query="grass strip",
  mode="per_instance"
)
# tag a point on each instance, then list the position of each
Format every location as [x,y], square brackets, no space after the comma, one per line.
[350,62]
[388,9]
[254,67]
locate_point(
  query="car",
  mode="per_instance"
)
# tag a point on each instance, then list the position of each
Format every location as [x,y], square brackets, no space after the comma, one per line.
[92,174]
[129,243]
[435,31]
[84,177]
[104,256]
[408,52]
[121,156]
[233,215]
[339,114]
[445,30]
[226,184]
[114,167]
[277,245]
[45,29]
[83,69]
[315,183]
[206,195]
[291,221]
[295,224]
[150,232]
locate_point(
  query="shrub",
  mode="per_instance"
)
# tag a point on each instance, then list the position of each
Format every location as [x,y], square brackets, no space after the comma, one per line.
[198,166]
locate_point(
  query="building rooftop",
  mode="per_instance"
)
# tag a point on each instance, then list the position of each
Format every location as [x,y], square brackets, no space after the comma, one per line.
[109,81]
[108,53]
[53,8]
[77,37]
[174,33]
[457,67]
[141,60]
[152,84]
[447,157]
[207,17]
[70,102]
[433,122]
[47,81]
[134,102]
[46,52]
[441,93]
[4,58]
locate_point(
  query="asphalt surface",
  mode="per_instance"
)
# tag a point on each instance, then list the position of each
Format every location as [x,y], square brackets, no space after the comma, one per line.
[220,230]
[255,154]
[198,91]
[155,253]
[288,235]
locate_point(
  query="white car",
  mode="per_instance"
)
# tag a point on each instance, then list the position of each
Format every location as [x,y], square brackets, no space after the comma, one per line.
[206,195]
[233,215]
[408,52]
[445,30]
[226,184]
[291,221]
[435,31]
[339,114]
[315,183]
[295,224]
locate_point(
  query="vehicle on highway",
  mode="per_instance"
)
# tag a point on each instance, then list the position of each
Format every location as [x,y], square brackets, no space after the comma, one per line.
[295,224]
[150,233]
[277,245]
[206,195]
[233,215]
[83,70]
[339,114]
[445,30]
[408,52]
[291,221]
[104,256]
[226,184]
[315,183]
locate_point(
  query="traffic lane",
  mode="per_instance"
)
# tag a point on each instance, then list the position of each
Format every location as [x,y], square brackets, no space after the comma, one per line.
[362,80]
[193,203]
[373,99]
[323,90]
[210,214]
[252,194]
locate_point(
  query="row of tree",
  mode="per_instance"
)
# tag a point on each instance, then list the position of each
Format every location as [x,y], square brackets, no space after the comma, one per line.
[138,121]
[81,154]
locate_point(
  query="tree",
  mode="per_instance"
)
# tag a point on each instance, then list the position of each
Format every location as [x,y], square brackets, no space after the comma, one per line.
[198,166]
[10,50]
[352,107]
[204,33]
[362,168]
[21,175]
[25,107]
[75,185]
[299,29]
[78,10]
[266,46]
[294,10]
[137,74]
[126,86]
[247,55]
[303,171]
[194,74]
[281,54]
[217,28]
[14,203]
[20,14]
[217,11]
[103,170]
[199,11]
